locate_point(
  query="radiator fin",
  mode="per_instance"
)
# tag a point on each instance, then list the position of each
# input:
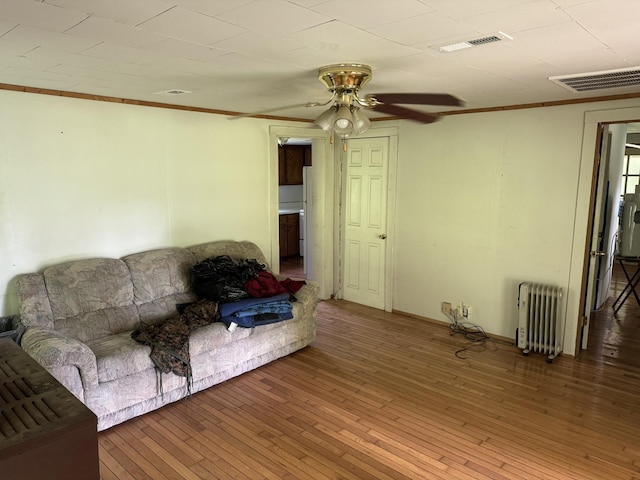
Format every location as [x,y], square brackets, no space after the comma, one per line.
[540,320]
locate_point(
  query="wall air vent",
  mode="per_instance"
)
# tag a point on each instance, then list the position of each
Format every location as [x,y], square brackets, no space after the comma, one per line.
[474,42]
[588,82]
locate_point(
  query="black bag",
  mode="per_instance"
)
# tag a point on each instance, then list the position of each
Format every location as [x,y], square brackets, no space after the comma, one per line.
[221,278]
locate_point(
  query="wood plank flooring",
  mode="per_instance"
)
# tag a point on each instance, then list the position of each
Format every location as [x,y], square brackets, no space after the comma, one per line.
[615,338]
[292,267]
[383,396]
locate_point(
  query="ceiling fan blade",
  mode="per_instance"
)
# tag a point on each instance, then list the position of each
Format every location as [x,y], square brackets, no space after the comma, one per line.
[418,99]
[276,109]
[407,113]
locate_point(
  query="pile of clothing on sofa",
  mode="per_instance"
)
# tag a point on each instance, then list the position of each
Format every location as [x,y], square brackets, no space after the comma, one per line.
[246,293]
[239,293]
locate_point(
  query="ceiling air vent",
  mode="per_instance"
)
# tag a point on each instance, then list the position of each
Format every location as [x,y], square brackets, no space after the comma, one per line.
[484,40]
[172,92]
[588,82]
[474,42]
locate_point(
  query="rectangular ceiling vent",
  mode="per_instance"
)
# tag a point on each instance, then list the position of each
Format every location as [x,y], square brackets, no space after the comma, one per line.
[172,92]
[588,82]
[484,40]
[474,42]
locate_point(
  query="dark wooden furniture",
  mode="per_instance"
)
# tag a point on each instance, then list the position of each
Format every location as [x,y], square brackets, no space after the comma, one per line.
[291,159]
[289,234]
[45,432]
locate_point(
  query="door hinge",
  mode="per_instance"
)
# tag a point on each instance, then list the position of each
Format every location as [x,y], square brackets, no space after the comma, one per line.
[585,320]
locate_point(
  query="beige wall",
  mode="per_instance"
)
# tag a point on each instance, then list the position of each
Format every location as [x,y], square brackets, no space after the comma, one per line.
[486,201]
[82,178]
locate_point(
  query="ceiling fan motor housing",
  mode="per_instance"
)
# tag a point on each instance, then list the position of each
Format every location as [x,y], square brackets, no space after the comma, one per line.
[342,77]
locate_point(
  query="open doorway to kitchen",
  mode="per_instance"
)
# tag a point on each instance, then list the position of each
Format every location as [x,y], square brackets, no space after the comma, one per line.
[320,225]
[294,206]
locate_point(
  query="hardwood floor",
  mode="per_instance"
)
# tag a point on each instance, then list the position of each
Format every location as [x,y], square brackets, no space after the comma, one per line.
[615,338]
[292,267]
[383,396]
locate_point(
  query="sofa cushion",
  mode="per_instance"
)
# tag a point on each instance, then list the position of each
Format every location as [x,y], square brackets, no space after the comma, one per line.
[163,308]
[88,285]
[159,273]
[211,337]
[100,323]
[119,355]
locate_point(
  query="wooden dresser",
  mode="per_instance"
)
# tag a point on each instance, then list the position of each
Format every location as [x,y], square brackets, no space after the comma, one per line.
[45,432]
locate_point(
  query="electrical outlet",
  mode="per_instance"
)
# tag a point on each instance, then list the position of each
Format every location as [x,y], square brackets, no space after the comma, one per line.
[466,312]
[446,308]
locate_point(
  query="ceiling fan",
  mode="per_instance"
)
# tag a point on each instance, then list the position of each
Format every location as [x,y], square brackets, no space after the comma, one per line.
[344,118]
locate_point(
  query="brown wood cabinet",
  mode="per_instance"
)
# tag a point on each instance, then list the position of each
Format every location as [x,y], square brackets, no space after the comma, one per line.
[45,432]
[291,159]
[289,234]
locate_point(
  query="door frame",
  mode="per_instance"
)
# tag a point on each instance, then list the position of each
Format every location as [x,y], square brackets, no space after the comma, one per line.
[585,206]
[323,182]
[392,134]
[587,290]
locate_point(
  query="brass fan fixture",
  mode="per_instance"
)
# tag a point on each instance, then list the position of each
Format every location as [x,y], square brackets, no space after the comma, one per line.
[344,117]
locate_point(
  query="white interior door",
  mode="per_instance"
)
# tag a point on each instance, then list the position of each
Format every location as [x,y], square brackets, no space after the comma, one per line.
[596,233]
[365,221]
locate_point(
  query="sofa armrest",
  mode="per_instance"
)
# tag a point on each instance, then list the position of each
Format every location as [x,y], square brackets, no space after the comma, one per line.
[55,351]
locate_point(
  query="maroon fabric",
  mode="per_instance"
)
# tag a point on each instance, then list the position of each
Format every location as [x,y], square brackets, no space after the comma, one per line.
[292,285]
[264,284]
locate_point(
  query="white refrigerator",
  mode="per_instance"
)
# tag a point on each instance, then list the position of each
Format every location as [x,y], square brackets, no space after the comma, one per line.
[306,216]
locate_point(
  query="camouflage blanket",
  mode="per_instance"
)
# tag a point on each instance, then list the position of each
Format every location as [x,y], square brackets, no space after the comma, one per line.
[169,339]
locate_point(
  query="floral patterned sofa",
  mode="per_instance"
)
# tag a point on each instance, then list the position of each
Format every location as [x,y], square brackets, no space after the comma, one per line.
[80,314]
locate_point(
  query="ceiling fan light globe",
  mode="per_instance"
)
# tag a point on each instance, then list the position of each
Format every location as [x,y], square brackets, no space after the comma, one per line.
[343,123]
[361,122]
[325,121]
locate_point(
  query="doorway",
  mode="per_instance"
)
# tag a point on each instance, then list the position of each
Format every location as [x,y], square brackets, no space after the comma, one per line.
[295,167]
[321,226]
[327,247]
[366,225]
[365,221]
[616,175]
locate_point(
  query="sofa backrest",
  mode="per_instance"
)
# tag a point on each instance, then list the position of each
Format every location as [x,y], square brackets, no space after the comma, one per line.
[236,250]
[161,279]
[91,298]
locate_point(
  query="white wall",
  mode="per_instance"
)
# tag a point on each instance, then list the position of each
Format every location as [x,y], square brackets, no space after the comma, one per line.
[83,178]
[486,201]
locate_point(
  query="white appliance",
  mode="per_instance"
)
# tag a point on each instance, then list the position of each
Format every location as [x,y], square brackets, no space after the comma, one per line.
[306,215]
[630,241]
[301,232]
[540,319]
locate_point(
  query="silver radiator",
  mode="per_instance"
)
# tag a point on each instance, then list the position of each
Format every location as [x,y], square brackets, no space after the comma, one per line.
[540,320]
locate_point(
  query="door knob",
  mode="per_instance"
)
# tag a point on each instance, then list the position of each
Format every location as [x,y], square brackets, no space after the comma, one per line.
[382,236]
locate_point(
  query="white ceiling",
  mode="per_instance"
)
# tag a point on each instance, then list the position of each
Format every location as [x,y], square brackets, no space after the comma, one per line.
[252,55]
